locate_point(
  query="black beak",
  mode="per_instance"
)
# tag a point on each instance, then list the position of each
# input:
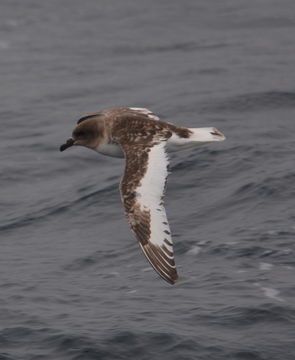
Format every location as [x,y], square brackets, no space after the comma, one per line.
[69,143]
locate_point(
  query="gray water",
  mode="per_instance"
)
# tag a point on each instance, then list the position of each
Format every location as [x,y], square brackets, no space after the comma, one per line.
[73,282]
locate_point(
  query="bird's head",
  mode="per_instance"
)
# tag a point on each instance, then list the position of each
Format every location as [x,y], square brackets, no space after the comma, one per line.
[88,132]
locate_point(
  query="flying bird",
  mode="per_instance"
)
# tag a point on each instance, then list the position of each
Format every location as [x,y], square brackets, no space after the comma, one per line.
[138,135]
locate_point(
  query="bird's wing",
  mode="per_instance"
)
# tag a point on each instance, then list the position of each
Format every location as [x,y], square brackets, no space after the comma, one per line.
[143,112]
[142,191]
[130,112]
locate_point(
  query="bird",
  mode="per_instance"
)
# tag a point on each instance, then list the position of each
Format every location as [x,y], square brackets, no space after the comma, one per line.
[139,136]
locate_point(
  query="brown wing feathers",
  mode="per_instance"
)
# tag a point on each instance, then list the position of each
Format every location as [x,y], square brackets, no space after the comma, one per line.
[137,144]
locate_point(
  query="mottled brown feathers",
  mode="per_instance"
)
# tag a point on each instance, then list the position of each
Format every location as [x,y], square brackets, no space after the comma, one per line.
[141,136]
[138,132]
[180,131]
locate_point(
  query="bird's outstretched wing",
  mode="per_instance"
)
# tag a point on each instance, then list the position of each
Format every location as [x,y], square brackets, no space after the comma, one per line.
[142,191]
[130,112]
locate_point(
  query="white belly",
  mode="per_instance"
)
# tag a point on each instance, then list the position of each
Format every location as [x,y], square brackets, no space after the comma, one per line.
[200,136]
[173,144]
[110,149]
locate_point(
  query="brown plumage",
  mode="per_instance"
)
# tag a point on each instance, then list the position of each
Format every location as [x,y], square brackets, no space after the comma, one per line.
[139,136]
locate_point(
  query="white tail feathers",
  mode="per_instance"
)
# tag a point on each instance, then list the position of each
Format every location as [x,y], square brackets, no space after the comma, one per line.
[206,135]
[199,136]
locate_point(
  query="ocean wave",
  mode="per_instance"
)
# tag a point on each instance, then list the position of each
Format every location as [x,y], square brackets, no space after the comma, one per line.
[265,313]
[61,207]
[268,100]
[269,187]
[145,345]
[186,46]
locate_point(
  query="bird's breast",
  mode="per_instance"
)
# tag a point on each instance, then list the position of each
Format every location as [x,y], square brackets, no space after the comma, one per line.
[110,149]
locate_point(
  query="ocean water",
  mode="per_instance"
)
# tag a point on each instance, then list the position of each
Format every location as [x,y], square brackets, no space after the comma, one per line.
[73,282]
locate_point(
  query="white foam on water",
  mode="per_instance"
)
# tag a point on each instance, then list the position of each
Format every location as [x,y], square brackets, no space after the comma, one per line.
[231,243]
[203,242]
[147,269]
[287,251]
[265,266]
[289,267]
[267,252]
[131,292]
[272,293]
[194,250]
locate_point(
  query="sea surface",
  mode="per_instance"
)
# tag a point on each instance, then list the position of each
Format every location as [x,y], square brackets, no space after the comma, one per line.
[74,284]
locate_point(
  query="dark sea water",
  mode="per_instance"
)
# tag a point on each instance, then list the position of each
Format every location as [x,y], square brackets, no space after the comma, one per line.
[73,282]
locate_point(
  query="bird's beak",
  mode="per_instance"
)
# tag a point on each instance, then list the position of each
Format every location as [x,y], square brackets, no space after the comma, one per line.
[70,142]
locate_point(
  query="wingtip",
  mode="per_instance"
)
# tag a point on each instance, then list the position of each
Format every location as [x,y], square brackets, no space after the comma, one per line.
[170,280]
[173,281]
[170,277]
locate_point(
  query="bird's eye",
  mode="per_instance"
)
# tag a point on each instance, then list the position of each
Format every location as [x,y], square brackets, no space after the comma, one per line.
[80,133]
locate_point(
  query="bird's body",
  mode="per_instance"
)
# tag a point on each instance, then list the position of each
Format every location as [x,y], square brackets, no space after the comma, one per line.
[139,136]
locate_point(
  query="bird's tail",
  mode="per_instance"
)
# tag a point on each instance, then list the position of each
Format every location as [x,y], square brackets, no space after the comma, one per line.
[206,135]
